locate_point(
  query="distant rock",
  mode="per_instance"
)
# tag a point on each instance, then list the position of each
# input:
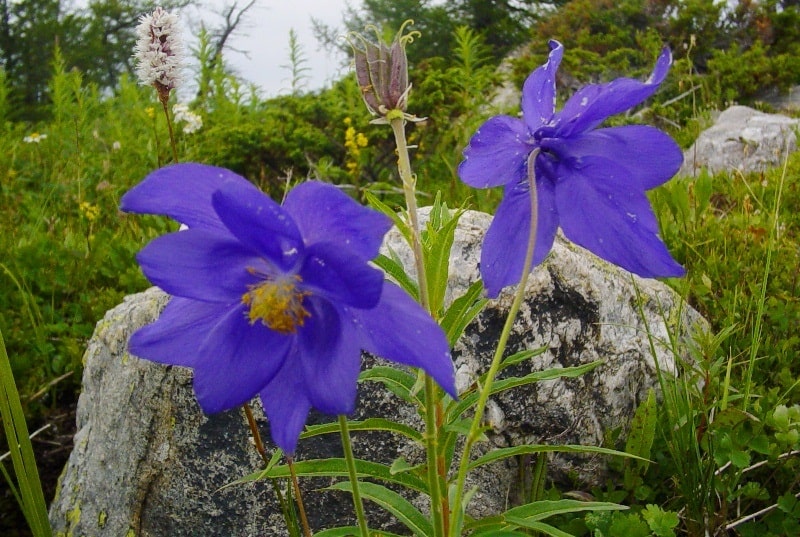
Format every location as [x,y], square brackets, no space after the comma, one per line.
[742,139]
[147,462]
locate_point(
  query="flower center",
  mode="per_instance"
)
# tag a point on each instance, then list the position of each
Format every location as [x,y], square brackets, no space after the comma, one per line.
[278,304]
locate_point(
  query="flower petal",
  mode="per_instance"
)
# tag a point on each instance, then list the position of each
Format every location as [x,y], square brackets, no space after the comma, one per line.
[237,360]
[592,104]
[200,265]
[497,153]
[260,223]
[286,405]
[650,156]
[176,335]
[505,244]
[334,273]
[539,90]
[398,329]
[600,211]
[323,213]
[330,357]
[182,192]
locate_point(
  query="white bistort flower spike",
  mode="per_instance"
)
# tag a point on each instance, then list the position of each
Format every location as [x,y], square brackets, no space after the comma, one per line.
[159,51]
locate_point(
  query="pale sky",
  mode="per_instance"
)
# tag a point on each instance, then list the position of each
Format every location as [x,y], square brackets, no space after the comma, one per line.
[264,36]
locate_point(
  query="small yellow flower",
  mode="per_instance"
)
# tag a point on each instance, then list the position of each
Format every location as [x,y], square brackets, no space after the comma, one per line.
[91,212]
[150,111]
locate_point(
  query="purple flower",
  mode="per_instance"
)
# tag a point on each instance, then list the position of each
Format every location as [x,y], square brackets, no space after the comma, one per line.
[589,181]
[275,300]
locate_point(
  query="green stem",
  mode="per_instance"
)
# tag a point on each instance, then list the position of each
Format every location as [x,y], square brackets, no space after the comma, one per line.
[351,469]
[432,401]
[486,390]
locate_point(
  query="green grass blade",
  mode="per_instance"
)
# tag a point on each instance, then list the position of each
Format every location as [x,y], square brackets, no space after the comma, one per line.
[19,444]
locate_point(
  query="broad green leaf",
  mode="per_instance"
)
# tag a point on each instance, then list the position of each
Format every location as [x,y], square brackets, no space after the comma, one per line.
[370,424]
[504,453]
[401,508]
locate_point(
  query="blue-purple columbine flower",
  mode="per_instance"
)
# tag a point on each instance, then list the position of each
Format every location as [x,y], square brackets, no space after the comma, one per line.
[275,300]
[590,181]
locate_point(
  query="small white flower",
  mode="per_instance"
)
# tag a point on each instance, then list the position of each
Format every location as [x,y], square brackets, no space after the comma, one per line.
[34,138]
[159,50]
[116,146]
[192,122]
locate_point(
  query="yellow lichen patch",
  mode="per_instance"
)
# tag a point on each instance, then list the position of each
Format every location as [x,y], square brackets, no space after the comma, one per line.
[278,304]
[101,519]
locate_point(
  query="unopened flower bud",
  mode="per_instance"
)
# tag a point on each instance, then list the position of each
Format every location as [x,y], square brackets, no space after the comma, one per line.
[382,73]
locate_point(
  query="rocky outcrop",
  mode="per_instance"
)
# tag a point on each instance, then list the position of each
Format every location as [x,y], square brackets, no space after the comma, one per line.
[742,139]
[147,462]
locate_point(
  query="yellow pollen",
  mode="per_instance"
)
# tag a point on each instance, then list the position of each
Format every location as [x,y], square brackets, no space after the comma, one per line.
[278,304]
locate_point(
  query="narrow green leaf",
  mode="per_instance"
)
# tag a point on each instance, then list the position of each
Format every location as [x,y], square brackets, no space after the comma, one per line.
[396,270]
[470,399]
[521,356]
[528,449]
[350,531]
[437,242]
[370,424]
[375,203]
[337,467]
[401,508]
[526,516]
[399,382]
[498,531]
[643,427]
[541,527]
[462,311]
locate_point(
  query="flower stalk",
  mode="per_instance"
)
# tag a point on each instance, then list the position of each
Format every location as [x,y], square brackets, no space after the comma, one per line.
[298,496]
[358,504]
[486,390]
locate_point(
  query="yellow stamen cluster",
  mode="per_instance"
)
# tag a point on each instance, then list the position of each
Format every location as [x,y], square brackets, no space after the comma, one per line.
[278,304]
